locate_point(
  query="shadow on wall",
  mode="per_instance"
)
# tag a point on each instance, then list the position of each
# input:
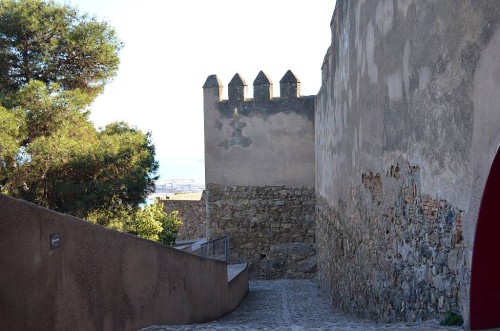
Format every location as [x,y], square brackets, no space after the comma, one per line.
[63,273]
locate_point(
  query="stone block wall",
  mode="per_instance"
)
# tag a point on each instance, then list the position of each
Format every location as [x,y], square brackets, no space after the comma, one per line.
[192,214]
[271,227]
[398,255]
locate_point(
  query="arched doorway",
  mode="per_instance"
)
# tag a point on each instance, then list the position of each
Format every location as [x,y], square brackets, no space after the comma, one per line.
[485,282]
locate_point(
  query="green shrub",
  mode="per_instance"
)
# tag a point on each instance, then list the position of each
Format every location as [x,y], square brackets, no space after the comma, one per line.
[452,319]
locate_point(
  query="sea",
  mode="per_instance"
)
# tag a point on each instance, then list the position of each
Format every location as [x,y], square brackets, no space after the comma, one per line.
[182,168]
[181,173]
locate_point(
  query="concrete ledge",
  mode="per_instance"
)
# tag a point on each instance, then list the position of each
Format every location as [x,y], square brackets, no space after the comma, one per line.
[100,279]
[238,284]
[234,270]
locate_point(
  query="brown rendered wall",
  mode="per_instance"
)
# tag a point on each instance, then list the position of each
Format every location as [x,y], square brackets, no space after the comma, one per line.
[99,279]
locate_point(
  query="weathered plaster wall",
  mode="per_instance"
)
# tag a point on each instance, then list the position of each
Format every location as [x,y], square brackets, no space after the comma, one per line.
[270,227]
[192,214]
[260,141]
[407,85]
[100,279]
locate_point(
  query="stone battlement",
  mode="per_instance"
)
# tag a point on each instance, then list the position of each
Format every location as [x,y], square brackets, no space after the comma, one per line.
[239,103]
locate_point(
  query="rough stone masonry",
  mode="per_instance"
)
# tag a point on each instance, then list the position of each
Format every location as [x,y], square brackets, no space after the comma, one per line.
[271,227]
[191,210]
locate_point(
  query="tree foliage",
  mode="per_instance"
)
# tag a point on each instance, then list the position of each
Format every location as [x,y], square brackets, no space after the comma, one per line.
[53,62]
[51,43]
[170,224]
[11,125]
[149,222]
[64,163]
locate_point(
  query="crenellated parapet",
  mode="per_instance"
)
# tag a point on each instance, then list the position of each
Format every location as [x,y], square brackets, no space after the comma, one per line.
[264,140]
[289,86]
[262,87]
[237,88]
[263,101]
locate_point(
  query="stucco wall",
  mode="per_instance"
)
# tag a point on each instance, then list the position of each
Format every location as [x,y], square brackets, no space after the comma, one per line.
[99,279]
[407,85]
[260,141]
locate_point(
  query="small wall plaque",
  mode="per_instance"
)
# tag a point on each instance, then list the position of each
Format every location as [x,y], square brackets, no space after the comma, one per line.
[55,240]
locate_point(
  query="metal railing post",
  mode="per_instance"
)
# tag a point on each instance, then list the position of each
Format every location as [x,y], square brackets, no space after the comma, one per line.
[215,251]
[225,248]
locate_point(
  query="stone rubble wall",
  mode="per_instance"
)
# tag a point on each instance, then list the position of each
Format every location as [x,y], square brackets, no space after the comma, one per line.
[192,214]
[401,258]
[271,227]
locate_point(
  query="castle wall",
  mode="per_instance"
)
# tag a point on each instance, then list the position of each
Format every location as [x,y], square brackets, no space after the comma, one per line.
[407,125]
[192,214]
[270,227]
[259,160]
[260,141]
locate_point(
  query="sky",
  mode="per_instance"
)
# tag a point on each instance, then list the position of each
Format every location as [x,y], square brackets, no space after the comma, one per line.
[171,47]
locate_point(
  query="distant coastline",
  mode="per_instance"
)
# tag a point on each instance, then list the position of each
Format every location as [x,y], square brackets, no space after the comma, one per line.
[169,187]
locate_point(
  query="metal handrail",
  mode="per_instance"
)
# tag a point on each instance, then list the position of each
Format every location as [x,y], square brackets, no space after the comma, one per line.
[216,249]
